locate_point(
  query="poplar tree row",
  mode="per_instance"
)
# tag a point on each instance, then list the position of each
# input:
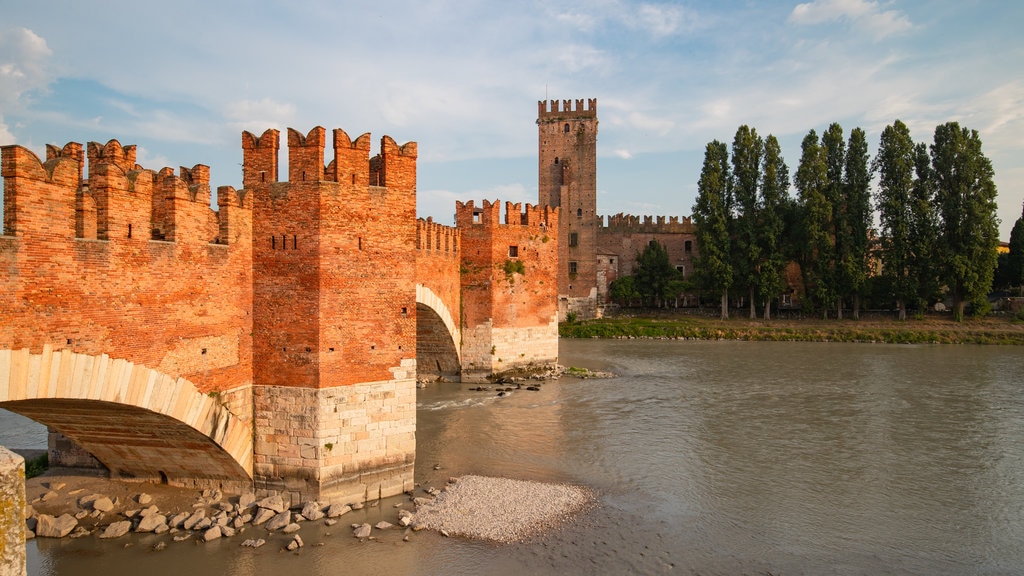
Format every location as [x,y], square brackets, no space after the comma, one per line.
[935,206]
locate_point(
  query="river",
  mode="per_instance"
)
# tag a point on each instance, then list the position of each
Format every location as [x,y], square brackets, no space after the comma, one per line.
[706,458]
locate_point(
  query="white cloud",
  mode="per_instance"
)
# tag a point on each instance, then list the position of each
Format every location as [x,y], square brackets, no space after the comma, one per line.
[6,137]
[660,20]
[24,58]
[259,115]
[622,153]
[146,159]
[580,57]
[869,16]
[577,20]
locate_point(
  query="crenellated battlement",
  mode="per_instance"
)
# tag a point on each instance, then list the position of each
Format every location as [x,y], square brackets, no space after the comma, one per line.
[119,199]
[560,110]
[648,224]
[112,153]
[434,237]
[394,167]
[489,214]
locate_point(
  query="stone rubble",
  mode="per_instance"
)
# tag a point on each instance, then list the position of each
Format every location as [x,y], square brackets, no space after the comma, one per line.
[495,509]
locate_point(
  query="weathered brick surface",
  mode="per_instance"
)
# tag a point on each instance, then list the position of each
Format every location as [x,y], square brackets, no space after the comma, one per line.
[334,291]
[567,179]
[508,282]
[168,304]
[438,336]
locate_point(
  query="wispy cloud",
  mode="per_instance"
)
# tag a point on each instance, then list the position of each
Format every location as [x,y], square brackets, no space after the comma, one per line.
[24,59]
[868,16]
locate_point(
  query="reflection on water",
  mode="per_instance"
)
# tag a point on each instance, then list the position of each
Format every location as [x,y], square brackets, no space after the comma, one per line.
[707,457]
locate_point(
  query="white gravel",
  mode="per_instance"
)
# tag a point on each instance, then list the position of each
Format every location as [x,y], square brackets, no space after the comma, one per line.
[501,509]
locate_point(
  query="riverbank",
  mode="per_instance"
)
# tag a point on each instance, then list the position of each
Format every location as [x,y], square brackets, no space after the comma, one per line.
[928,329]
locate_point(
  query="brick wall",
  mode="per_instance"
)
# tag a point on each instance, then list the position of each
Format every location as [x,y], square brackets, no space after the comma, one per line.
[438,253]
[509,286]
[181,305]
[567,179]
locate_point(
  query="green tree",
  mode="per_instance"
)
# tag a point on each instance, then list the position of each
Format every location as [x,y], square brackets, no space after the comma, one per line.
[924,230]
[965,194]
[1015,259]
[774,199]
[816,249]
[711,217]
[894,164]
[835,161]
[653,274]
[853,263]
[623,290]
[747,151]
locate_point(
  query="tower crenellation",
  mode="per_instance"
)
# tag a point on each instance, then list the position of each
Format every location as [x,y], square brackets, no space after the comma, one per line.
[555,109]
[260,157]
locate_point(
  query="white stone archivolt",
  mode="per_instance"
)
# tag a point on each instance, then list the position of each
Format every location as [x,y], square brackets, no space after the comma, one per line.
[427,297]
[63,375]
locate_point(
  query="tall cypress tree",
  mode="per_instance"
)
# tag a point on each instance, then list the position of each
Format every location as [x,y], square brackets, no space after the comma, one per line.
[894,164]
[835,161]
[1015,259]
[857,189]
[774,199]
[747,151]
[711,217]
[816,246]
[924,230]
[965,194]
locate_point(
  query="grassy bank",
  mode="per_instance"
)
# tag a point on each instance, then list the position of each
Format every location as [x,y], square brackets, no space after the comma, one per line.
[927,330]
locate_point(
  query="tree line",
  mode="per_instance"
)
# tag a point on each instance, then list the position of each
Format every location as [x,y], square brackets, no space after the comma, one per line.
[936,234]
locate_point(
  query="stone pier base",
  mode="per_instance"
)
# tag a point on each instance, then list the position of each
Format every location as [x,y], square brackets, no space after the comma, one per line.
[343,444]
[12,514]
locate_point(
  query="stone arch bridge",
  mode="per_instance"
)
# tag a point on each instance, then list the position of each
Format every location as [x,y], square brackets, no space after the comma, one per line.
[273,343]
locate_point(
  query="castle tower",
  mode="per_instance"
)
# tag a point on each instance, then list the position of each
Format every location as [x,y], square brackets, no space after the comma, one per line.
[509,302]
[567,180]
[334,316]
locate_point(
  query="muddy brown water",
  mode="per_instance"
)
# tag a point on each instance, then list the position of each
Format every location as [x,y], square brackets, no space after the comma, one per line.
[706,457]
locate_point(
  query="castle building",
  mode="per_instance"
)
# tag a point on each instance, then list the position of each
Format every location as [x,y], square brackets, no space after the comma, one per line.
[593,251]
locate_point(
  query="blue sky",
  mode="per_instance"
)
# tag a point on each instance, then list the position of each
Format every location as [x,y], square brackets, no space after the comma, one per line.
[182,80]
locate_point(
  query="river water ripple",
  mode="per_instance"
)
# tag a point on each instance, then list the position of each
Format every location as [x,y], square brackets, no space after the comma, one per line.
[707,458]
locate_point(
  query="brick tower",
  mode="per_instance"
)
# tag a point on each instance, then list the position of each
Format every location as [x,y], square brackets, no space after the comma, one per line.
[334,325]
[567,179]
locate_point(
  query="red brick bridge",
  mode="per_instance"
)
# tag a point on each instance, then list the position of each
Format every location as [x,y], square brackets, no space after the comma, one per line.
[273,343]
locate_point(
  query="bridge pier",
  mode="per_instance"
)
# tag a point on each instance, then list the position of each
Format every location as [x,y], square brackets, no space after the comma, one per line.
[12,514]
[343,444]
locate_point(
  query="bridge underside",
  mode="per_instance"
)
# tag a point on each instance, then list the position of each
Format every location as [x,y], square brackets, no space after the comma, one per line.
[134,443]
[137,422]
[438,339]
[436,354]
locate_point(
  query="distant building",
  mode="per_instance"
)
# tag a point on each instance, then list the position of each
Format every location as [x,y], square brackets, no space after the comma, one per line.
[594,250]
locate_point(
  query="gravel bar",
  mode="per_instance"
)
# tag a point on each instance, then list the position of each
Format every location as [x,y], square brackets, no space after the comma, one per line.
[500,509]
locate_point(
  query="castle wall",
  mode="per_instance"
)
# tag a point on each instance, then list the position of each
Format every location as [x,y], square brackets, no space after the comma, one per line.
[181,306]
[509,287]
[624,237]
[438,255]
[335,316]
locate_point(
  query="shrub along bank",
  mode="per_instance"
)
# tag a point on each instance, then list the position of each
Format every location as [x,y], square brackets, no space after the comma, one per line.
[927,330]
